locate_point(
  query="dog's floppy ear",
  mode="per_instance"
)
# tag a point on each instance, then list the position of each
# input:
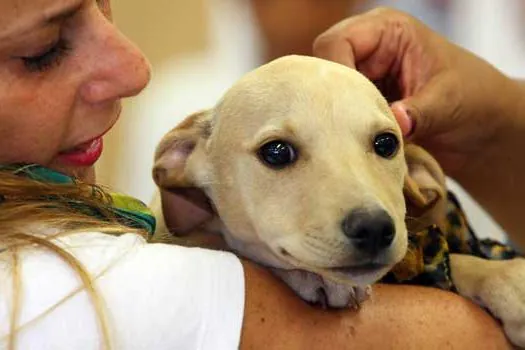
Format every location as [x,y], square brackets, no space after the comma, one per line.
[424,189]
[180,159]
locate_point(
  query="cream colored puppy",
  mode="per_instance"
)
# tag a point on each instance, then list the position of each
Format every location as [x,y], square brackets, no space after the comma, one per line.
[270,160]
[305,167]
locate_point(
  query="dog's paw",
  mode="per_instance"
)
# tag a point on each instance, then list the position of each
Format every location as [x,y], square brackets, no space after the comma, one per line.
[498,286]
[317,290]
[503,293]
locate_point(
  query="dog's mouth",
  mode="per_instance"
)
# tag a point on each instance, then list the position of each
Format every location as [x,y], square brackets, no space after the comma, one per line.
[370,271]
[359,270]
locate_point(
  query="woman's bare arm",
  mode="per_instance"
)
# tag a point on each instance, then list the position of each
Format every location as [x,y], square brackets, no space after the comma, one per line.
[495,176]
[397,317]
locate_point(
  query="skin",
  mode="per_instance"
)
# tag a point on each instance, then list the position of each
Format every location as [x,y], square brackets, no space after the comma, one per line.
[404,318]
[36,126]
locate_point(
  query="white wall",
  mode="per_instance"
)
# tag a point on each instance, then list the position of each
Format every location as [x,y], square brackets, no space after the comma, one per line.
[495,30]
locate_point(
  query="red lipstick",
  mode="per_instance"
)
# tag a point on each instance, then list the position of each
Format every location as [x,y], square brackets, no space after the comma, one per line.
[85,154]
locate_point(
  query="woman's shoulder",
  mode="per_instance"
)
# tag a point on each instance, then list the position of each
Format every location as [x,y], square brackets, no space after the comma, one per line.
[146,289]
[98,250]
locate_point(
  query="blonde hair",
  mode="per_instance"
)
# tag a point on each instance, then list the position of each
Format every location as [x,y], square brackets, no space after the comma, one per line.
[24,202]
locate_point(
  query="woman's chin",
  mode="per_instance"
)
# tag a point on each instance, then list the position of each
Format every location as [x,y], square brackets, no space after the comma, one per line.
[88,175]
[85,174]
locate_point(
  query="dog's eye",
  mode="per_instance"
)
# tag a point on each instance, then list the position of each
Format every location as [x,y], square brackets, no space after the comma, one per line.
[278,154]
[386,145]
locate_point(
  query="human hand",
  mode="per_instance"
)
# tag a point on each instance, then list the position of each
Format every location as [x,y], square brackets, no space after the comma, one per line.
[445,98]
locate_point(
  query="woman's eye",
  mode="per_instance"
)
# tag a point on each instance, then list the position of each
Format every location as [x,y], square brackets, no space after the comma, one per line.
[386,145]
[47,59]
[278,154]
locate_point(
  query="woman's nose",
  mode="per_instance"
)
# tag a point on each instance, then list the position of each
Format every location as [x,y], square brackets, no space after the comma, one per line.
[116,67]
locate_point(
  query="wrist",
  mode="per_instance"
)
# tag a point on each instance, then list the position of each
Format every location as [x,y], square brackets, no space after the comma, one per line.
[502,119]
[494,173]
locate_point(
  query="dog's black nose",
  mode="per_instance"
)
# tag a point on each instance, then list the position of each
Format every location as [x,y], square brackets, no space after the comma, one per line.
[370,232]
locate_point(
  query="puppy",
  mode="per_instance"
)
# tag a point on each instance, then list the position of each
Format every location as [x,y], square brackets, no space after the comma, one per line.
[305,170]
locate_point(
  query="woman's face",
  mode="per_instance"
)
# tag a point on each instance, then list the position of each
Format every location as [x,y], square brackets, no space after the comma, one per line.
[63,69]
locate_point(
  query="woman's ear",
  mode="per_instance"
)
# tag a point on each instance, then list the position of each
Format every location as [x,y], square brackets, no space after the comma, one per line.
[425,190]
[180,159]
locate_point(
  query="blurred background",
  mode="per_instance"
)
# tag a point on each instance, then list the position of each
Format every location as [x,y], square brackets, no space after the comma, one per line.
[198,48]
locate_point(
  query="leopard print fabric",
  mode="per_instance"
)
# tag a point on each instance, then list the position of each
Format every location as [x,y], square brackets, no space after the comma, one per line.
[427,260]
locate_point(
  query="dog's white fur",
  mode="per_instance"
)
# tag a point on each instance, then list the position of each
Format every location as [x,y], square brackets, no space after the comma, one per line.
[290,219]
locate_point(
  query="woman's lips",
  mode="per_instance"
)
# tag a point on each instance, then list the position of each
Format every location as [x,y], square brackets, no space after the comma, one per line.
[85,154]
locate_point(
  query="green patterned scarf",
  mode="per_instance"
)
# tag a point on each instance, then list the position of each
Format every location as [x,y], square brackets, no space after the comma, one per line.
[126,210]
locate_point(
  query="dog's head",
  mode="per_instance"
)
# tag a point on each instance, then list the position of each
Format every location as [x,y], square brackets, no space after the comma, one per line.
[304,163]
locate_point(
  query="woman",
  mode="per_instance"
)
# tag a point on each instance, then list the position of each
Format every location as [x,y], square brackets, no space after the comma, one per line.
[76,271]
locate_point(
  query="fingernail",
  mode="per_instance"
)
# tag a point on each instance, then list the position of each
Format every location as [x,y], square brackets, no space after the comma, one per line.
[404,120]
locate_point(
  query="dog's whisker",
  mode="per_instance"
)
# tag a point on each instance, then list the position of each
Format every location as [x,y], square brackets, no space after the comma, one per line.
[333,242]
[315,250]
[316,244]
[324,251]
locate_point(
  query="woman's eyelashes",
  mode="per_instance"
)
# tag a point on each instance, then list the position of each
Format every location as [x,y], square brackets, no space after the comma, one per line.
[47,59]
